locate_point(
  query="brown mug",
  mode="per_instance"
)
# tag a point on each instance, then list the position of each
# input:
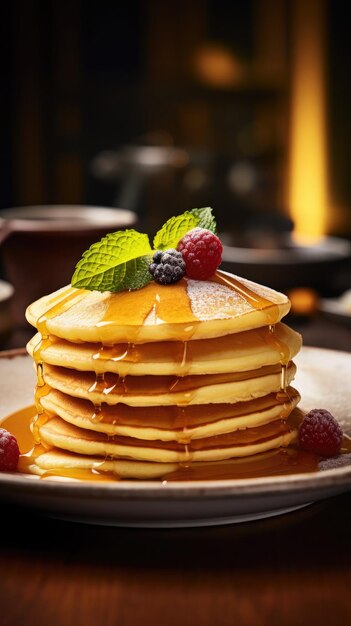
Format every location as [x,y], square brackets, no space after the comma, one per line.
[40,246]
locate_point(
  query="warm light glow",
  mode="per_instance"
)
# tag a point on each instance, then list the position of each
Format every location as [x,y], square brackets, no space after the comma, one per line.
[304,301]
[308,166]
[217,66]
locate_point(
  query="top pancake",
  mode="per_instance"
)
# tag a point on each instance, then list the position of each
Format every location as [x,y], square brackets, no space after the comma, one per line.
[189,309]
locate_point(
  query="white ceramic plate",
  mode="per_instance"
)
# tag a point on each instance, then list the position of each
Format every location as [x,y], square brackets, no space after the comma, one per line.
[324,381]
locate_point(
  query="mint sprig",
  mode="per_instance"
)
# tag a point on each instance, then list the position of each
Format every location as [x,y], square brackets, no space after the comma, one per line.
[121,260]
[106,265]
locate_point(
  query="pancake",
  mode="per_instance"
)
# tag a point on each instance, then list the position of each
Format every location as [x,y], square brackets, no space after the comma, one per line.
[132,384]
[170,423]
[237,352]
[58,433]
[190,309]
[168,390]
[67,465]
[57,463]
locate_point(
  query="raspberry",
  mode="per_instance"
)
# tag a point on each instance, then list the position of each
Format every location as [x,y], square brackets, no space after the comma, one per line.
[202,253]
[168,267]
[320,433]
[9,452]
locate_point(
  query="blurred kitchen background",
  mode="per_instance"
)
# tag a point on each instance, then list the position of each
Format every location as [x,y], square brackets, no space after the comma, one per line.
[156,106]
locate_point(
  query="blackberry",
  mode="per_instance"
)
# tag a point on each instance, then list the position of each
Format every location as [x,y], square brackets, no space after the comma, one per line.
[168,267]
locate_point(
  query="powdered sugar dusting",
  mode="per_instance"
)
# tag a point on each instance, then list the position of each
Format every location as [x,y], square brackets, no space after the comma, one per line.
[343,460]
[210,300]
[265,292]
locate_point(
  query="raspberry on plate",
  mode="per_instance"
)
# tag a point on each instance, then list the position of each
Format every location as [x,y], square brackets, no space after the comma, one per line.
[320,433]
[9,451]
[168,267]
[202,253]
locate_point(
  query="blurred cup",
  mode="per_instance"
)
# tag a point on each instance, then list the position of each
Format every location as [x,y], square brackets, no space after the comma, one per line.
[40,246]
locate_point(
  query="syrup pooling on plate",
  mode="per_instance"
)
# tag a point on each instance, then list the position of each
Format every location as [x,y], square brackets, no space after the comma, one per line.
[19,424]
[281,462]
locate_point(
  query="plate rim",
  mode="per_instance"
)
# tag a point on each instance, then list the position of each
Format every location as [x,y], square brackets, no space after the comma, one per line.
[130,490]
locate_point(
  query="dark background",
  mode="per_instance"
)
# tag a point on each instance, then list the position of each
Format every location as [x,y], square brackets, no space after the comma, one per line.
[81,78]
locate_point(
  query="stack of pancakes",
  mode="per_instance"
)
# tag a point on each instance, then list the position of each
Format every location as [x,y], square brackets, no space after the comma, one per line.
[140,382]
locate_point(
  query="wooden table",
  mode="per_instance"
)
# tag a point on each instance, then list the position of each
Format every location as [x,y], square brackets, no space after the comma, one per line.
[292,569]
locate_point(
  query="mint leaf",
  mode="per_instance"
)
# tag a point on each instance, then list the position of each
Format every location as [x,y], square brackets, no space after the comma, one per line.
[206,218]
[174,229]
[137,273]
[104,266]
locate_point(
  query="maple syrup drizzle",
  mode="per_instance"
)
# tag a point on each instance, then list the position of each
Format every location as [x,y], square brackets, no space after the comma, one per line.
[284,378]
[256,301]
[160,304]
[181,421]
[97,414]
[58,305]
[103,385]
[116,353]
[106,385]
[159,301]
[242,437]
[132,309]
[180,355]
